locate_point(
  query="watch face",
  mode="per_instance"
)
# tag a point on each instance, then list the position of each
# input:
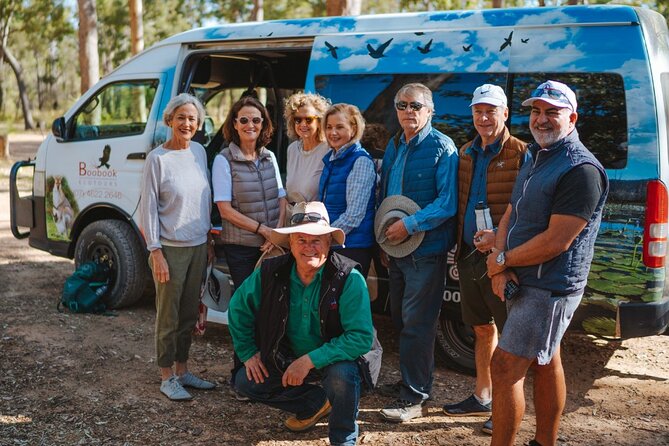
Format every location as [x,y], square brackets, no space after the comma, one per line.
[500,258]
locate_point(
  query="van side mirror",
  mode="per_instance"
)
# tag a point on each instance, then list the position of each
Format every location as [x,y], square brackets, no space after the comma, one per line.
[58,129]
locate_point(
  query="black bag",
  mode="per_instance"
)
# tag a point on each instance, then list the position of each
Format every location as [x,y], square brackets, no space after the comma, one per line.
[369,365]
[84,289]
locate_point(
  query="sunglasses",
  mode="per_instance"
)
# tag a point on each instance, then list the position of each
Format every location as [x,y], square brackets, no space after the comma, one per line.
[307,119]
[414,105]
[308,217]
[551,93]
[244,120]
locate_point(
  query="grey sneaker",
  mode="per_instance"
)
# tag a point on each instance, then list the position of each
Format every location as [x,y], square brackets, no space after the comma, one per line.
[173,389]
[190,380]
[400,411]
[487,427]
[468,407]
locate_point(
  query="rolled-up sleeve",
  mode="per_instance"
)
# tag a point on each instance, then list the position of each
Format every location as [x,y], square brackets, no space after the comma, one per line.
[445,206]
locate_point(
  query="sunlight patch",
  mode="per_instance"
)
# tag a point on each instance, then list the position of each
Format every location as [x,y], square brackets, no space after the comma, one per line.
[15,419]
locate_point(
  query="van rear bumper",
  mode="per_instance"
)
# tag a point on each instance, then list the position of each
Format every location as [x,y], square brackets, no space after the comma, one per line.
[636,319]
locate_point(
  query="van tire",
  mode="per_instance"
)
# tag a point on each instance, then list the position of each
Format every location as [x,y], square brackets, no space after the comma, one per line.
[116,241]
[454,346]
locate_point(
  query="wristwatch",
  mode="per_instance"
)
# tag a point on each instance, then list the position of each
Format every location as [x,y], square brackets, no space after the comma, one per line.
[500,259]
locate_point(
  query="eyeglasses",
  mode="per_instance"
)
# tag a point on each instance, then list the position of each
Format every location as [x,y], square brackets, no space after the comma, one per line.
[244,120]
[551,93]
[414,105]
[307,119]
[308,217]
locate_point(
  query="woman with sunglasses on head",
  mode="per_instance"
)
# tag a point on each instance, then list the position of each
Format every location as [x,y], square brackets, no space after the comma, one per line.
[348,182]
[247,187]
[303,113]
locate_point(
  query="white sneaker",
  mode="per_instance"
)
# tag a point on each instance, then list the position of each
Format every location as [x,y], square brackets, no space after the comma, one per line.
[400,411]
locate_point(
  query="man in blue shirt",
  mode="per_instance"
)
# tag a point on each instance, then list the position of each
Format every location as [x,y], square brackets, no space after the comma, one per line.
[420,163]
[488,168]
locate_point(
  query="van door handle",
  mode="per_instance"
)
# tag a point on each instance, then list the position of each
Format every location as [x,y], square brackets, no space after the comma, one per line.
[136,156]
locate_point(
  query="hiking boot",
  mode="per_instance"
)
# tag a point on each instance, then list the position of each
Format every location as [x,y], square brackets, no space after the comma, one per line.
[390,390]
[190,380]
[467,408]
[487,427]
[295,424]
[400,411]
[238,396]
[173,389]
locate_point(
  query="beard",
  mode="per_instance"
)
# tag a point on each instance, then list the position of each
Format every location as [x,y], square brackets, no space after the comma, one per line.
[546,138]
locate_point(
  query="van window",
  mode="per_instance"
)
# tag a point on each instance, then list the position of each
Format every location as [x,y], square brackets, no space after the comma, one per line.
[119,109]
[602,122]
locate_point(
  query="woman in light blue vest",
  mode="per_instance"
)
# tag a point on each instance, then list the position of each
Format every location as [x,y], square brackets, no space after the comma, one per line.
[247,187]
[348,182]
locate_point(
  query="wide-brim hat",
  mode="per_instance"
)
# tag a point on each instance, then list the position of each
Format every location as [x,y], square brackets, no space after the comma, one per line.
[393,208]
[217,290]
[308,218]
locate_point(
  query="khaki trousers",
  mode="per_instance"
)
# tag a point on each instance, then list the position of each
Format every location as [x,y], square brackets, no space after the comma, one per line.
[177,302]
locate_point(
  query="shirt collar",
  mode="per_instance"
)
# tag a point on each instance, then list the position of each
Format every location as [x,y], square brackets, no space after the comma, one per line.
[493,148]
[295,278]
[417,139]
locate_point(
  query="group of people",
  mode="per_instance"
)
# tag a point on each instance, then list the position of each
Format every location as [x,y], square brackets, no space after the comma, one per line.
[524,218]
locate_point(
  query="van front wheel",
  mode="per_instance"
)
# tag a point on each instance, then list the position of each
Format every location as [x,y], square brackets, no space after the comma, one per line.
[115,243]
[455,345]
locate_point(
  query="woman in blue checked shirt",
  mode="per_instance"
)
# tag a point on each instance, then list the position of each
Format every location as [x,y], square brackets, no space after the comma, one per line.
[348,182]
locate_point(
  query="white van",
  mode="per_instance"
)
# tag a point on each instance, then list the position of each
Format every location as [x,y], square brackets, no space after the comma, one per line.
[616,58]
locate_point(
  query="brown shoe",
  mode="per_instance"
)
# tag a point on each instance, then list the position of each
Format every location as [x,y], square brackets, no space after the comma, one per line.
[296,425]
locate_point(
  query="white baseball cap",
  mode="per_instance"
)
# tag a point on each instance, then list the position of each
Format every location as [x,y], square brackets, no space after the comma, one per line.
[489,94]
[555,93]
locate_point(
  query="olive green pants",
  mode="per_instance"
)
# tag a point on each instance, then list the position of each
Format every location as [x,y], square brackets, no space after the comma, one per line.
[177,302]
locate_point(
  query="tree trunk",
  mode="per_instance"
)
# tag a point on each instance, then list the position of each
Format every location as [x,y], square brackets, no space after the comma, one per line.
[28,122]
[136,27]
[4,36]
[258,12]
[88,44]
[343,7]
[497,3]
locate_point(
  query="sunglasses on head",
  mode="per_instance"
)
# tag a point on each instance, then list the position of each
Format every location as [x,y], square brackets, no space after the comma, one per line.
[551,93]
[307,119]
[414,105]
[244,120]
[308,217]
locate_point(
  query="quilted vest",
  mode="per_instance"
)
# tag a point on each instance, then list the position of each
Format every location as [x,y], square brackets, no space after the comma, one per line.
[501,177]
[332,192]
[532,199]
[255,193]
[419,183]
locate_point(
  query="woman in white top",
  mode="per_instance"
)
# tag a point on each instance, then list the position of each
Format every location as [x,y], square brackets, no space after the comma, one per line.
[303,113]
[247,187]
[175,220]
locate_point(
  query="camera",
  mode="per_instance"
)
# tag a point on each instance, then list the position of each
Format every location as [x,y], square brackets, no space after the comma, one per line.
[511,289]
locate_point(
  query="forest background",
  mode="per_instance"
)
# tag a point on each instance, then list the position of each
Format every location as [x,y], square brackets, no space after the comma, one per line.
[51,51]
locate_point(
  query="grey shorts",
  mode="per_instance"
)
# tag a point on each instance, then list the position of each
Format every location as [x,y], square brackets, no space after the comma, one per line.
[536,322]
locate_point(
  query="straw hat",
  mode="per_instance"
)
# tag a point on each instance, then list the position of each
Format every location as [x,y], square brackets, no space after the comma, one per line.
[308,218]
[393,208]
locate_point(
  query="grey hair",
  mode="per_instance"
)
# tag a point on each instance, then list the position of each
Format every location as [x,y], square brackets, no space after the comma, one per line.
[179,101]
[414,88]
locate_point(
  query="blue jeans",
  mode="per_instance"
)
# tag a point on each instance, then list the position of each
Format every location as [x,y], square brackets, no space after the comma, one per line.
[340,385]
[416,291]
[241,261]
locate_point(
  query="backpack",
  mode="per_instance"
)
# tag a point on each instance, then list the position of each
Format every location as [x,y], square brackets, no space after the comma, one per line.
[84,289]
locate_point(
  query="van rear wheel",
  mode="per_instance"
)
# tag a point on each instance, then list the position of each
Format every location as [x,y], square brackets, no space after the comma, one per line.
[455,345]
[115,243]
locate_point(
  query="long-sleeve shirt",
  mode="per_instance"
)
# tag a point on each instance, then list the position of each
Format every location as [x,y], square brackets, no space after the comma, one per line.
[358,184]
[175,205]
[445,205]
[303,326]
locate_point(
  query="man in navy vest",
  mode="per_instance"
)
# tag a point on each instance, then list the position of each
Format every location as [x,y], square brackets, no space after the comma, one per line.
[544,243]
[421,163]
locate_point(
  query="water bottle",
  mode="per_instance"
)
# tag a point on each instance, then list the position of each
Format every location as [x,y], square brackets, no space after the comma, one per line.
[483,218]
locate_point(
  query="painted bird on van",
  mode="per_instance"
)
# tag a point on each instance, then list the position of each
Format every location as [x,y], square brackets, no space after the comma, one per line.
[426,48]
[104,159]
[525,40]
[507,41]
[378,52]
[332,49]
[467,47]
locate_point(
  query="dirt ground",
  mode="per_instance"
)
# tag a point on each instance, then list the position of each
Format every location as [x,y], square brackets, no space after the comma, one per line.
[69,379]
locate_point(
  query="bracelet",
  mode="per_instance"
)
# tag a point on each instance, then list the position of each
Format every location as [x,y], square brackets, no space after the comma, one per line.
[257,228]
